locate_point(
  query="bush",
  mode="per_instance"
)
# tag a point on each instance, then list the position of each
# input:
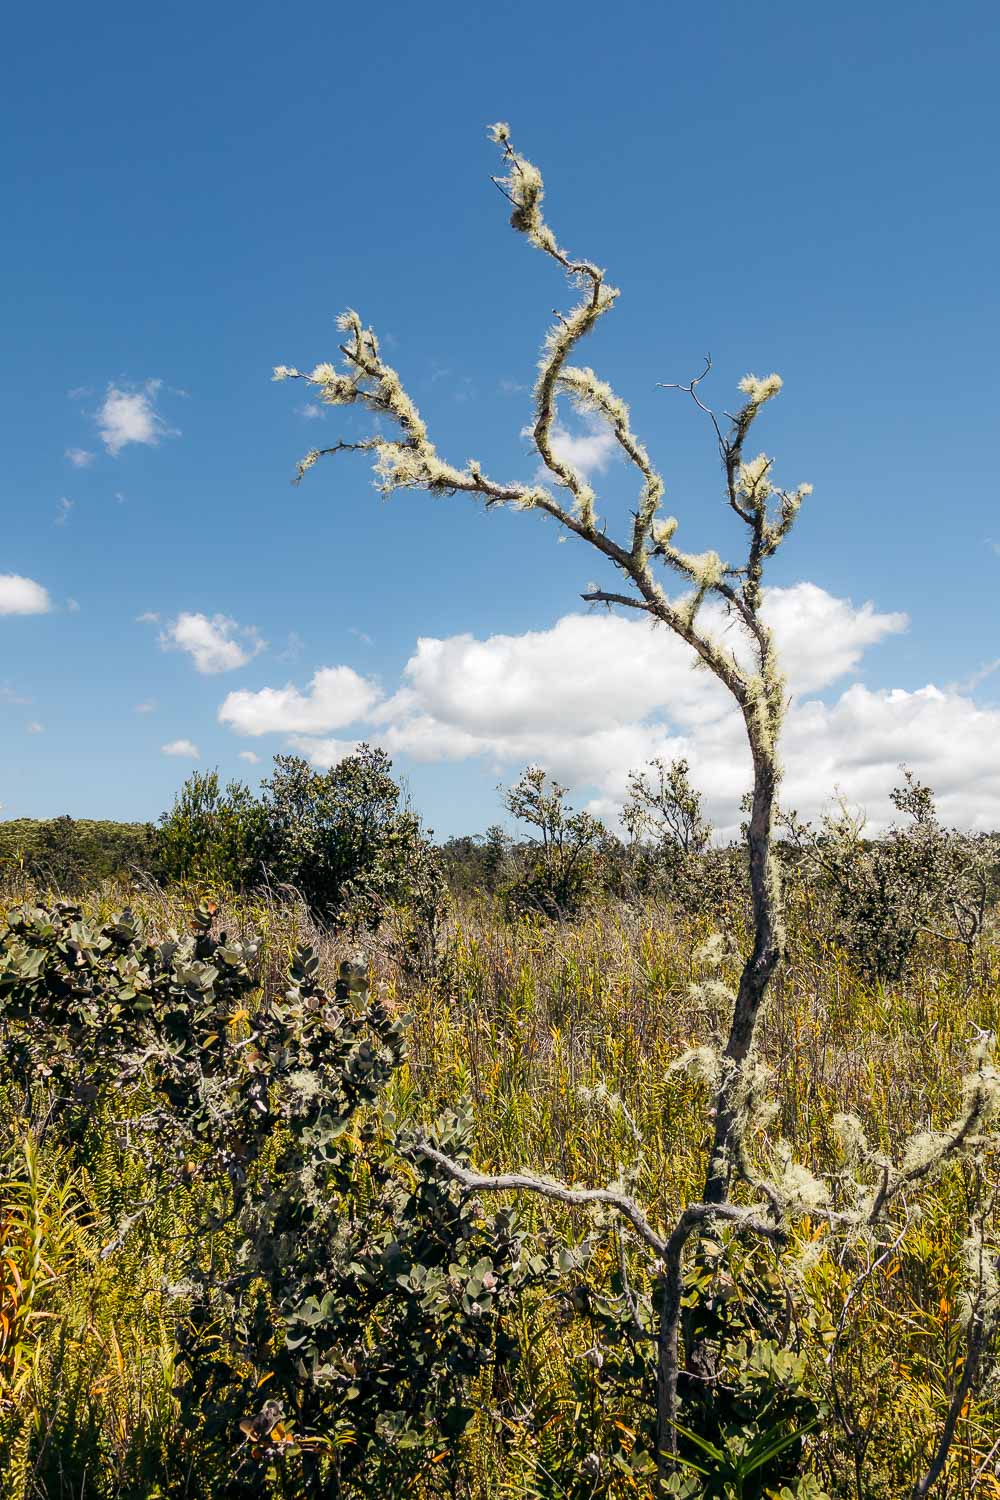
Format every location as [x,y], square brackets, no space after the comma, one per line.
[333,1300]
[919,878]
[212,836]
[340,838]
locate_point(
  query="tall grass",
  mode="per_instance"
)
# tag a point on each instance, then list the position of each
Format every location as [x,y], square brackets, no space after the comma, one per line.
[563,1040]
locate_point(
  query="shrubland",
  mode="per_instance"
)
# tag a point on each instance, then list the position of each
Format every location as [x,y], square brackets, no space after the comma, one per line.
[230,1267]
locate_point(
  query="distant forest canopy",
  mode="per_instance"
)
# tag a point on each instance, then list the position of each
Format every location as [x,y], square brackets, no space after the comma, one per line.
[69,852]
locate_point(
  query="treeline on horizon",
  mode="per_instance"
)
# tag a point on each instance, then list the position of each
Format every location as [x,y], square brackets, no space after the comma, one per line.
[346,843]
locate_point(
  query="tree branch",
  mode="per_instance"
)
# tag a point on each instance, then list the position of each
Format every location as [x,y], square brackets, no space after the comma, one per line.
[558,1192]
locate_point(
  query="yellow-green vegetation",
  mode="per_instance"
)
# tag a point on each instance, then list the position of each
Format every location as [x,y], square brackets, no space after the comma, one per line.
[580,1050]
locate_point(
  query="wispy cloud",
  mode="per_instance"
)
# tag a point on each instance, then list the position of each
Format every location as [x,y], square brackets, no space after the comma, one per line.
[22,596]
[35,728]
[147,707]
[186,749]
[80,458]
[130,416]
[310,411]
[970,683]
[63,508]
[293,647]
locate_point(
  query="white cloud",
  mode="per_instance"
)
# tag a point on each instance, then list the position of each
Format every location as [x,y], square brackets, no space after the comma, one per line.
[35,728]
[310,411]
[250,756]
[336,696]
[185,748]
[149,617]
[215,644]
[63,509]
[130,416]
[597,695]
[147,707]
[80,458]
[22,596]
[588,450]
[977,678]
[323,753]
[821,637]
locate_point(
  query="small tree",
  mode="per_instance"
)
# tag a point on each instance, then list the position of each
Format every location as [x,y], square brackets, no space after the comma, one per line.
[919,878]
[557,872]
[342,838]
[212,833]
[664,809]
[645,558]
[409,460]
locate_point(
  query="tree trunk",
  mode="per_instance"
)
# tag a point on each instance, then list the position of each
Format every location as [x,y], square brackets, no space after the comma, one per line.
[768,946]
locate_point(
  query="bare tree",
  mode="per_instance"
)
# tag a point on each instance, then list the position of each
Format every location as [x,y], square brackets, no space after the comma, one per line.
[647,559]
[751,673]
[663,806]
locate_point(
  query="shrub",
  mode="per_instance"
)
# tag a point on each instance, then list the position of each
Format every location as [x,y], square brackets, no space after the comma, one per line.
[344,841]
[918,878]
[558,870]
[341,838]
[212,836]
[335,1298]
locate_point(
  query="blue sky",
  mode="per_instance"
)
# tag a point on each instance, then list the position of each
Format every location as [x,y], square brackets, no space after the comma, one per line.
[193,194]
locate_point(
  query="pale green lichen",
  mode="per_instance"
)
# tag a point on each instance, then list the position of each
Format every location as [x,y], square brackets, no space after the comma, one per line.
[702,1062]
[713,951]
[663,531]
[759,390]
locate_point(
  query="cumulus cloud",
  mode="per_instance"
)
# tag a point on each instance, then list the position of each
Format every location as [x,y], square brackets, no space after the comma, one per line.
[598,695]
[80,458]
[336,696]
[185,748]
[250,756]
[130,416]
[22,596]
[821,637]
[214,643]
